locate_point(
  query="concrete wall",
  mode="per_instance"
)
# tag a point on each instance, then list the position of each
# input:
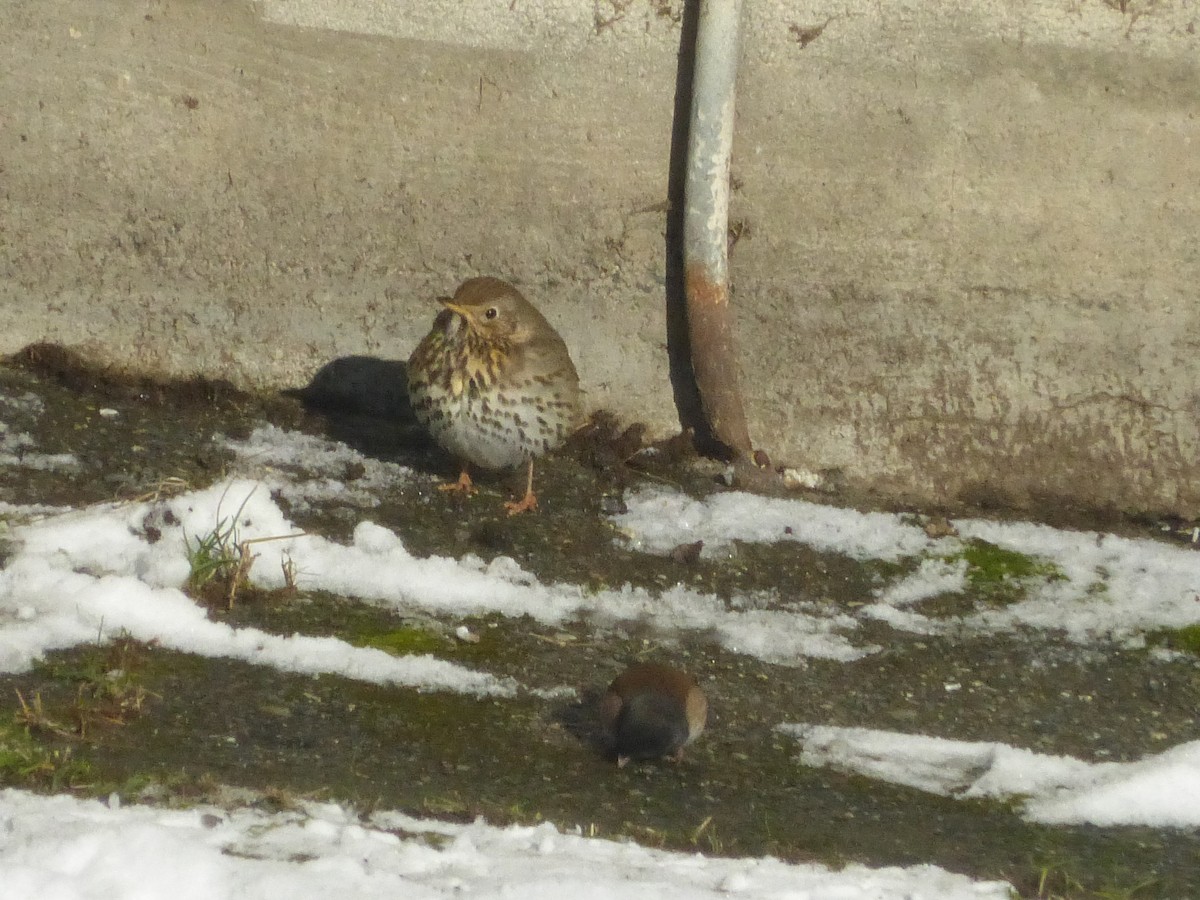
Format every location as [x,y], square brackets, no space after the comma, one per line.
[969,267]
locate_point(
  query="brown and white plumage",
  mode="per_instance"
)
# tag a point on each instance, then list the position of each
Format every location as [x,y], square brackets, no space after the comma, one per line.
[651,710]
[493,381]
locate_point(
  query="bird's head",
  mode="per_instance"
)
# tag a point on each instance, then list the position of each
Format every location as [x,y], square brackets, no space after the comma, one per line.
[496,311]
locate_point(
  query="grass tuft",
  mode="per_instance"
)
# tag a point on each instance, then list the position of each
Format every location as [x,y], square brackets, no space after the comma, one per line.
[26,763]
[220,561]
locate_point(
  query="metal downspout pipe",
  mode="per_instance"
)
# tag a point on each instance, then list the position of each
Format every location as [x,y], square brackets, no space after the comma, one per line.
[706,223]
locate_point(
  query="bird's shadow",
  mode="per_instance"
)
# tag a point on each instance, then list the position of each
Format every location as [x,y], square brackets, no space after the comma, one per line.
[363,402]
[581,719]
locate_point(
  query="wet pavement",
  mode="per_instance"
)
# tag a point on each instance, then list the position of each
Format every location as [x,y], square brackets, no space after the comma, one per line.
[200,723]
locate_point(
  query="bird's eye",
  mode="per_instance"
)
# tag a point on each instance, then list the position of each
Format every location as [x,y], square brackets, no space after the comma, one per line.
[491,313]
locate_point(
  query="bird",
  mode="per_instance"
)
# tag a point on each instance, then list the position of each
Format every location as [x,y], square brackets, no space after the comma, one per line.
[652,710]
[494,383]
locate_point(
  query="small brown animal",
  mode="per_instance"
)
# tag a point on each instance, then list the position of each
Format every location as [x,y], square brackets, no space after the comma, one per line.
[493,382]
[652,710]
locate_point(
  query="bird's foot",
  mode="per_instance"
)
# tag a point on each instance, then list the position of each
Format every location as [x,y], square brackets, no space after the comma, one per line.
[528,503]
[464,485]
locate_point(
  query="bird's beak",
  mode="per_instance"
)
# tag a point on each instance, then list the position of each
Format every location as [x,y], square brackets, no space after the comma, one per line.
[454,307]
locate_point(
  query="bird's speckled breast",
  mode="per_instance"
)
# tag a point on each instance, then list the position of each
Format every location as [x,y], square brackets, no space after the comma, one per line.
[462,390]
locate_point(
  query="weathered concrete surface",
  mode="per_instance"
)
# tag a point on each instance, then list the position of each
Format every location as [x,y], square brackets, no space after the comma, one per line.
[970,267]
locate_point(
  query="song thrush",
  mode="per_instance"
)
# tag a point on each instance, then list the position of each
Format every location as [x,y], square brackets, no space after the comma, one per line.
[651,710]
[493,382]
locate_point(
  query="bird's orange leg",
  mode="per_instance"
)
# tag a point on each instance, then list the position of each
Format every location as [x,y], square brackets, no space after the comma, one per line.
[464,485]
[528,503]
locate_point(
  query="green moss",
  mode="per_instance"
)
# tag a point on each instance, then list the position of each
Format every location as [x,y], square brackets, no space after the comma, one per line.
[1181,640]
[404,641]
[999,576]
[988,564]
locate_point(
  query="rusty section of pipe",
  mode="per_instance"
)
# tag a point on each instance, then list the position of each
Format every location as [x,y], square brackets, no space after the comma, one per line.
[714,360]
[706,223]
